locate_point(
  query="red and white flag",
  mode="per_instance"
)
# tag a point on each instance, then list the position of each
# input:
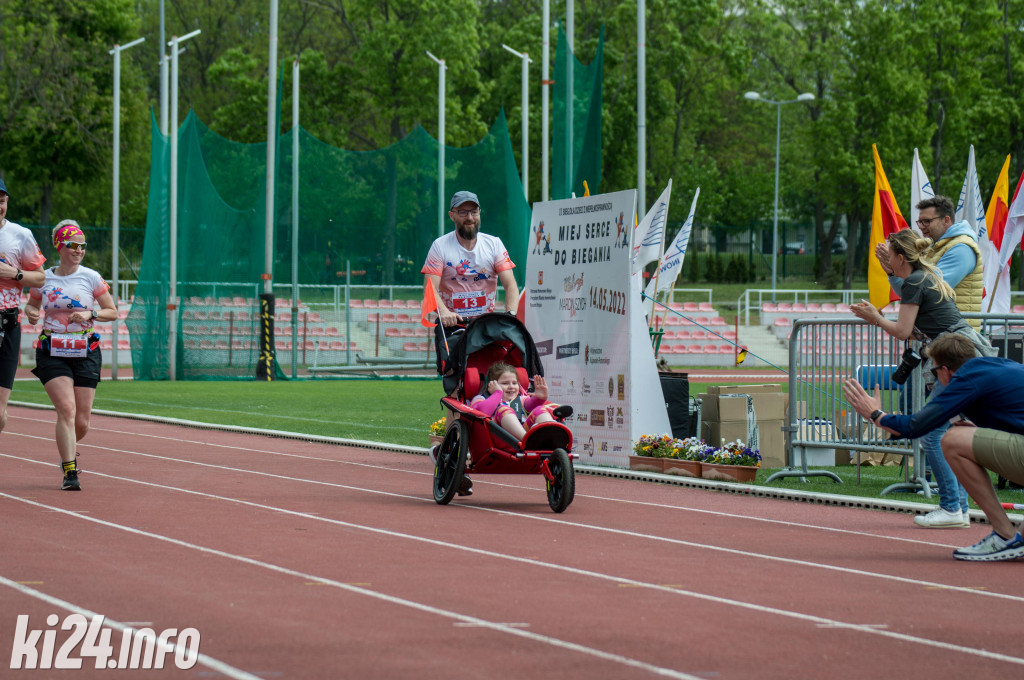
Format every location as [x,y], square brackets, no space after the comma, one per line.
[997,279]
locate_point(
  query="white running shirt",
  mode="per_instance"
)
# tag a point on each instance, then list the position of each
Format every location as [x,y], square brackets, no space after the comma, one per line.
[469,278]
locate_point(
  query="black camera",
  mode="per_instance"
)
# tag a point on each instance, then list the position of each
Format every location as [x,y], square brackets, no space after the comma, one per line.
[911,360]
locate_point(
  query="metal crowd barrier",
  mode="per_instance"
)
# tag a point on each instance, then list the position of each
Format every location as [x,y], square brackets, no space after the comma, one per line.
[823,353]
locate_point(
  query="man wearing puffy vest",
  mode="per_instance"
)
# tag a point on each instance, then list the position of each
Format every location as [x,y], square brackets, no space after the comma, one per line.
[956,254]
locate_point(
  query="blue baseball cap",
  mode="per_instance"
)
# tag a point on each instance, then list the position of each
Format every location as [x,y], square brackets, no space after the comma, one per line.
[3,187]
[461,197]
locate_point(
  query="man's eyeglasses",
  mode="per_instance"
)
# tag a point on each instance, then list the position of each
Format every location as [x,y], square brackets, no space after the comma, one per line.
[925,223]
[73,245]
[466,213]
[935,371]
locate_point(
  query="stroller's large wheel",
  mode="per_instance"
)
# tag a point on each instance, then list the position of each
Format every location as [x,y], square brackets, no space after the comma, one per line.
[563,489]
[451,462]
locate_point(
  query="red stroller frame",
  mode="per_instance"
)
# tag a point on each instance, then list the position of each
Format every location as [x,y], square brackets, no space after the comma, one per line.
[474,442]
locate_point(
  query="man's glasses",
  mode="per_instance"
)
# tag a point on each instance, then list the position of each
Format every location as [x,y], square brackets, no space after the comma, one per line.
[935,371]
[73,245]
[466,213]
[925,223]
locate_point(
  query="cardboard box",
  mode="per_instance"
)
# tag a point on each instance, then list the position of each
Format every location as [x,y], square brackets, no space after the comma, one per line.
[771,443]
[849,425]
[723,407]
[768,400]
[770,440]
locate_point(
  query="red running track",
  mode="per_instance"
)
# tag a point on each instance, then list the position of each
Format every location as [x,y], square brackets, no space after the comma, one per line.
[304,560]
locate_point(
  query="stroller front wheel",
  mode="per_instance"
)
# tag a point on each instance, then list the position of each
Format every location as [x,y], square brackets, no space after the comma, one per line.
[451,462]
[562,490]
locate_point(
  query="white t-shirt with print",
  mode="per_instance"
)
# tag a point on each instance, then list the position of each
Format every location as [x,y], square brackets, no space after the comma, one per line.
[18,248]
[61,296]
[469,278]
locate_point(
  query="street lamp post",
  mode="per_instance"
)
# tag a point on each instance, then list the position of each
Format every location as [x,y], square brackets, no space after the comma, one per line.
[172,297]
[756,96]
[115,211]
[525,106]
[441,68]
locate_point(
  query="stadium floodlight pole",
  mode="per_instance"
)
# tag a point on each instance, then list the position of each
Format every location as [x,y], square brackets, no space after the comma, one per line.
[756,96]
[163,74]
[172,297]
[570,58]
[545,95]
[295,217]
[641,107]
[525,106]
[268,243]
[115,211]
[441,68]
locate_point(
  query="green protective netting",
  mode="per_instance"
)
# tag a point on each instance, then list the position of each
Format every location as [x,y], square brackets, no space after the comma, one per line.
[374,211]
[586,116]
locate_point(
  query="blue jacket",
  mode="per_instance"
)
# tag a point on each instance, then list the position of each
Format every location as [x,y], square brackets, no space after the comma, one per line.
[987,390]
[958,262]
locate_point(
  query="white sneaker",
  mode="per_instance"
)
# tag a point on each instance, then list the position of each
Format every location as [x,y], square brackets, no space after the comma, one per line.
[942,519]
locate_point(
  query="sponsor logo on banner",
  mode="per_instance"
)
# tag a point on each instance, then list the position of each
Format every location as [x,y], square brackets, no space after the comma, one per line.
[588,448]
[616,448]
[566,351]
[585,389]
[594,355]
[604,447]
[540,277]
[619,419]
[555,382]
[545,347]
[572,387]
[622,387]
[582,418]
[572,282]
[611,416]
[611,387]
[597,417]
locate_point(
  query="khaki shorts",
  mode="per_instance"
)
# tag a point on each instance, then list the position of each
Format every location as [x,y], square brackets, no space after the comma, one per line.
[1001,452]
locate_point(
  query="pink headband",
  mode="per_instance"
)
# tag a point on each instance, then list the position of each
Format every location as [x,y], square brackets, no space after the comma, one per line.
[64,234]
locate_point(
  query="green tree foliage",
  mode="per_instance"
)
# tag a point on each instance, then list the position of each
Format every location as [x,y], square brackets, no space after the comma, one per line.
[56,94]
[936,75]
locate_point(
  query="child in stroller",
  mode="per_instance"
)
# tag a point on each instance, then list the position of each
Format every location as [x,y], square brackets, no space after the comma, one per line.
[514,408]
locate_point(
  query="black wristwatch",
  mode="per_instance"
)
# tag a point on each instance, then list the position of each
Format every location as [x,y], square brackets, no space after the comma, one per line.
[19,276]
[95,314]
[876,414]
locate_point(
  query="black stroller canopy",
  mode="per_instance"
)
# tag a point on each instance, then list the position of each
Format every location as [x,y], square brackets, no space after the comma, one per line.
[481,332]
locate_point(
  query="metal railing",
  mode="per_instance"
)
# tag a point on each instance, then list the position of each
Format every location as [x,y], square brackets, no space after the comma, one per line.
[824,352]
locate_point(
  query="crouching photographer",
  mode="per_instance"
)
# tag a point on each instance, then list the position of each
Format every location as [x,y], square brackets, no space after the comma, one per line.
[928,311]
[985,391]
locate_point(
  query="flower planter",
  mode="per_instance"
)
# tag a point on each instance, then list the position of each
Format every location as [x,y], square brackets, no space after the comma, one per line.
[434,440]
[728,473]
[647,463]
[683,468]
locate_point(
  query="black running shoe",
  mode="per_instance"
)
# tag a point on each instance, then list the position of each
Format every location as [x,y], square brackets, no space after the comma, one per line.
[465,486]
[562,412]
[71,481]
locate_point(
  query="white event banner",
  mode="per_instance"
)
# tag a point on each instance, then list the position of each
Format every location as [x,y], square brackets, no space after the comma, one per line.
[587,322]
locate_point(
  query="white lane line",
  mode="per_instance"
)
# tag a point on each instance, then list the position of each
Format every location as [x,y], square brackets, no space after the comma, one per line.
[204,659]
[402,602]
[576,571]
[538,518]
[376,466]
